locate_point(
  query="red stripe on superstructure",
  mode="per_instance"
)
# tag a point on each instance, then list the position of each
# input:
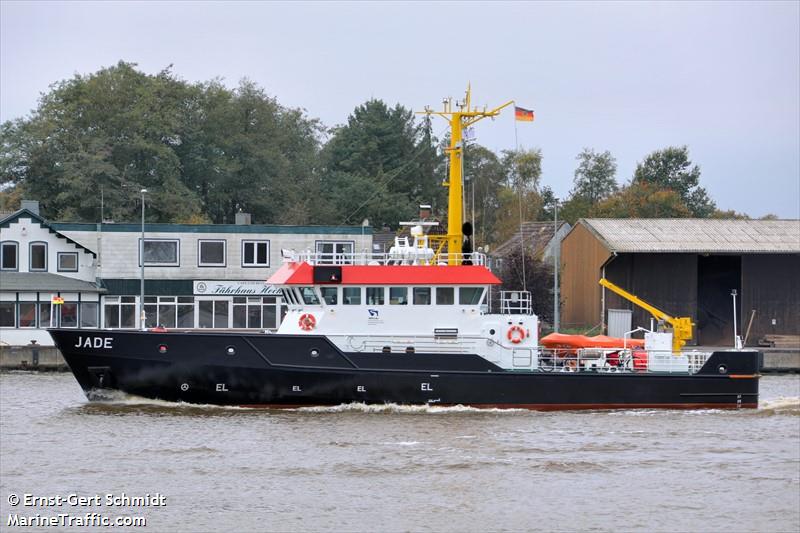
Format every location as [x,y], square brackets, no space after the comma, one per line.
[302,274]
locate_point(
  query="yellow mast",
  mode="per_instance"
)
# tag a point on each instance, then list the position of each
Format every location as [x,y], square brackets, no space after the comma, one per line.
[460,117]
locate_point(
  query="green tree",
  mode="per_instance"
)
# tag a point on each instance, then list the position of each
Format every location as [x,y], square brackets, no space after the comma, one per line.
[388,155]
[594,178]
[483,173]
[202,151]
[672,169]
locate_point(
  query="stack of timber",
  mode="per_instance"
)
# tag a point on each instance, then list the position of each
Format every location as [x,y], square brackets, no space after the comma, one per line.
[780,341]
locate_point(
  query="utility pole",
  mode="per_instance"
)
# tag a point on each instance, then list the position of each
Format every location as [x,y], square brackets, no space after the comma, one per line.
[141,271]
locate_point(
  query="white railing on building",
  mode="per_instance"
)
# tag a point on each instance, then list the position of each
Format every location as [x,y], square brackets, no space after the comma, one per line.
[423,258]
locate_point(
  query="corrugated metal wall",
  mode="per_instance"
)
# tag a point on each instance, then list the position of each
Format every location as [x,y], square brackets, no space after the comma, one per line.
[771,286]
[666,281]
[582,255]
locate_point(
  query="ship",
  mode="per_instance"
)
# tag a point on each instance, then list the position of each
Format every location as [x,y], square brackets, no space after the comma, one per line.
[423,324]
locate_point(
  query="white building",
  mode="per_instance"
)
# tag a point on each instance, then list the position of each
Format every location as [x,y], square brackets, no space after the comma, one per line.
[196,275]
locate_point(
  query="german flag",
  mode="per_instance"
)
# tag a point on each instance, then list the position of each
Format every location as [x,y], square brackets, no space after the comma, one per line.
[522,114]
[57,300]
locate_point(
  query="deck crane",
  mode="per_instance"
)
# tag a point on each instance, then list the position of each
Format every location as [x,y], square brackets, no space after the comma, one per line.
[681,326]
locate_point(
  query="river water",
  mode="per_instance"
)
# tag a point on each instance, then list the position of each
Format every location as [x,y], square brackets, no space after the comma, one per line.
[358,468]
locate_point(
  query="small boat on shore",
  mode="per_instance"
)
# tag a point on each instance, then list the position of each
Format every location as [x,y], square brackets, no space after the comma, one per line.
[412,326]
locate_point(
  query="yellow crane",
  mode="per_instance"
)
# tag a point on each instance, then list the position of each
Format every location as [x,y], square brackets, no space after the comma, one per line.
[681,326]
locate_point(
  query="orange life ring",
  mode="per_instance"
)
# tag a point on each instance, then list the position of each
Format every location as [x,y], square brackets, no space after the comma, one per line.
[307,322]
[516,339]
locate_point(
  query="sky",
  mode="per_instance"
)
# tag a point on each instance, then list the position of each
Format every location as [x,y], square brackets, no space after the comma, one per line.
[722,78]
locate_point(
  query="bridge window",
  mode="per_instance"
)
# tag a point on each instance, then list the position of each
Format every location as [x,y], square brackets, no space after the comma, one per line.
[351,295]
[445,296]
[398,295]
[309,295]
[329,295]
[470,295]
[375,295]
[422,296]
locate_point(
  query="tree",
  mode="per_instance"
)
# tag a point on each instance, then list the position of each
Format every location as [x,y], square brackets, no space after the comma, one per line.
[537,278]
[202,151]
[523,168]
[594,178]
[484,173]
[384,151]
[643,200]
[671,169]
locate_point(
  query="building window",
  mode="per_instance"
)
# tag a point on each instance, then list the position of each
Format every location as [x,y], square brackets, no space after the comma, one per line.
[334,252]
[69,315]
[8,314]
[398,295]
[470,295]
[27,314]
[255,312]
[67,261]
[213,314]
[422,296]
[8,256]
[255,253]
[44,315]
[119,312]
[90,314]
[329,295]
[445,296]
[161,252]
[375,295]
[210,253]
[351,295]
[37,252]
[169,311]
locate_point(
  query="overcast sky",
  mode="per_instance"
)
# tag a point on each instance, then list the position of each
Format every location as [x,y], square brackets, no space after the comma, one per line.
[722,78]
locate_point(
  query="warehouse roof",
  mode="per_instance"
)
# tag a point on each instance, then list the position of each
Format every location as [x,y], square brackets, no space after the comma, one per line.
[694,235]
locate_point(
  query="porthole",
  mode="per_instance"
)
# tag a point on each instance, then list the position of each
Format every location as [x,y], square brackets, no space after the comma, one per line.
[162,348]
[491,332]
[230,350]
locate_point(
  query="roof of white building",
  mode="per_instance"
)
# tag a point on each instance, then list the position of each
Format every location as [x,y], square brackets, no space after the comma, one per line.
[44,281]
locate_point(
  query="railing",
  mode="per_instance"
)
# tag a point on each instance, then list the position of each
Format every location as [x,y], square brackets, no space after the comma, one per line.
[619,360]
[418,257]
[516,303]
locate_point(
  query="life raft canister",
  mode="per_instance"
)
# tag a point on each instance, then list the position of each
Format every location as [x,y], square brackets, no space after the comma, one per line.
[516,334]
[307,322]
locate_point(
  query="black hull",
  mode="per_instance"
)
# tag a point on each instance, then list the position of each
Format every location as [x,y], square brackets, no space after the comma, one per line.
[290,371]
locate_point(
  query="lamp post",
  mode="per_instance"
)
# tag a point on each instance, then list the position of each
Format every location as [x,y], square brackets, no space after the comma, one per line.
[141,271]
[556,254]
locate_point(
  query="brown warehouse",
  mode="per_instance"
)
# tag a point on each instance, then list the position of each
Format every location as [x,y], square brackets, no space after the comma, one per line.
[686,267]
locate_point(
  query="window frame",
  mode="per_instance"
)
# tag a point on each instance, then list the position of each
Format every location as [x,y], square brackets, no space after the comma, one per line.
[59,255]
[224,263]
[256,264]
[443,290]
[141,246]
[338,258]
[16,256]
[30,256]
[350,289]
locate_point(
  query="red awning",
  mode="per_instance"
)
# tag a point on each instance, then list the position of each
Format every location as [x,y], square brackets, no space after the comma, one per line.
[302,274]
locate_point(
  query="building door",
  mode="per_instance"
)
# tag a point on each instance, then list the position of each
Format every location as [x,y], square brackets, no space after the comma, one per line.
[717,276]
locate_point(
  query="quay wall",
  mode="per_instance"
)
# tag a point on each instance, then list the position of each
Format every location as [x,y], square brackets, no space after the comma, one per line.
[49,358]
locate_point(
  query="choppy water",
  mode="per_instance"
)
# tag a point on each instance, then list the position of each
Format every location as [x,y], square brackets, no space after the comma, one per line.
[390,468]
